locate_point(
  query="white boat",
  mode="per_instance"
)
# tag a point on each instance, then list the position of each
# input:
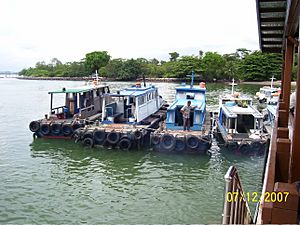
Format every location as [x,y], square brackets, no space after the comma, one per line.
[240,124]
[132,105]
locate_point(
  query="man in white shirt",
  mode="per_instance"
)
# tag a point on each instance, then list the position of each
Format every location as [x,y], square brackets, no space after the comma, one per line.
[186,110]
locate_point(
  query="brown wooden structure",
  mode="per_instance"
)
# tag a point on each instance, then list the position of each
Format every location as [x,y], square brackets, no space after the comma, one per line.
[278,23]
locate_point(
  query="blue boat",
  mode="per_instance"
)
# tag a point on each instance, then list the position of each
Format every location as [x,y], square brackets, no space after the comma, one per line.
[172,137]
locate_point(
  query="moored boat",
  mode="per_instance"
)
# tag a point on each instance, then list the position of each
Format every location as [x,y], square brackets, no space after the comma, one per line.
[128,118]
[240,125]
[81,106]
[171,137]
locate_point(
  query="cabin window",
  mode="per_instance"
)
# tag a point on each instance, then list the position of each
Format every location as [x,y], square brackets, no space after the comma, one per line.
[141,100]
[149,96]
[190,95]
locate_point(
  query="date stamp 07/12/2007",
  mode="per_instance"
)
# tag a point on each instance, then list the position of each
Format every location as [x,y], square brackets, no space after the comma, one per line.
[235,196]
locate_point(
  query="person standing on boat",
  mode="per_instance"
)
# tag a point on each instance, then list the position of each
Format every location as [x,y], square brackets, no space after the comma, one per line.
[186,111]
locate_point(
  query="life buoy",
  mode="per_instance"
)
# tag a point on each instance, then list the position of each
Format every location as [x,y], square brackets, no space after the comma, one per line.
[113,137]
[192,141]
[89,142]
[67,129]
[55,128]
[167,142]
[45,128]
[34,126]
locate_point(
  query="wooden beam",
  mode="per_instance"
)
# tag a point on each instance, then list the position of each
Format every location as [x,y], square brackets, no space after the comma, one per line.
[272,9]
[271,28]
[295,152]
[289,56]
[272,19]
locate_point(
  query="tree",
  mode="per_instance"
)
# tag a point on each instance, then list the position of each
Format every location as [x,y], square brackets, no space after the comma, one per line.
[95,60]
[173,56]
[261,66]
[213,66]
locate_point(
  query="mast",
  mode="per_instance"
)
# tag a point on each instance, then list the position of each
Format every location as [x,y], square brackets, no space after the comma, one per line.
[97,78]
[272,81]
[192,80]
[232,86]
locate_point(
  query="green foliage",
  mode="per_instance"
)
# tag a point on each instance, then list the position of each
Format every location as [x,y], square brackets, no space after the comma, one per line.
[95,60]
[173,56]
[210,66]
[260,66]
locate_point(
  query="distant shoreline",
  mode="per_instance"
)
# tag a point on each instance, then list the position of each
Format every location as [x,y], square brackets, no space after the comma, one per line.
[265,83]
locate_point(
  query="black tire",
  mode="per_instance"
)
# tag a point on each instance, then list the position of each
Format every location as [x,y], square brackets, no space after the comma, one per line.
[138,134]
[34,126]
[204,144]
[88,134]
[88,142]
[256,147]
[244,148]
[76,126]
[155,139]
[192,141]
[45,128]
[125,144]
[232,146]
[180,145]
[55,128]
[167,142]
[67,129]
[99,135]
[113,137]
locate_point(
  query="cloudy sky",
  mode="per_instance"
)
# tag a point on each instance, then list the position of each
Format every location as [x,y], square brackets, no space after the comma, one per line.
[39,30]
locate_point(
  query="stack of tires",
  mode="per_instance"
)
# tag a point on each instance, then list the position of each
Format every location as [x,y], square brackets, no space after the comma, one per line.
[165,142]
[112,139]
[56,128]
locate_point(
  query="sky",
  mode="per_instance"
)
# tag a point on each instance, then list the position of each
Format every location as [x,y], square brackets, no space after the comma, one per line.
[39,30]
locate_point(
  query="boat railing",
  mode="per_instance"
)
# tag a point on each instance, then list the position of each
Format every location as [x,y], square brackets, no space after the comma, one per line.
[236,209]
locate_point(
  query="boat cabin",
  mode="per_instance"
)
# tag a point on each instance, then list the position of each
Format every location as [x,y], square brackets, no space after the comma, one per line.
[238,116]
[85,101]
[130,105]
[195,94]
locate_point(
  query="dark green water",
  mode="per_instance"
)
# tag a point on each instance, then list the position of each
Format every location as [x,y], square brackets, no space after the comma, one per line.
[57,181]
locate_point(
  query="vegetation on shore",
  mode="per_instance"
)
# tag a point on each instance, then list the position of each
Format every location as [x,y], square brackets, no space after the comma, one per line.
[210,66]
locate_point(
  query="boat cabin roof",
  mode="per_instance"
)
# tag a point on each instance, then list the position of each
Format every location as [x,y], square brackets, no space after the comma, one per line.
[77,89]
[231,110]
[189,89]
[133,91]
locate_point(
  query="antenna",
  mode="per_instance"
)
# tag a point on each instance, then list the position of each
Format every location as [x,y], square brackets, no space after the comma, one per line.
[272,81]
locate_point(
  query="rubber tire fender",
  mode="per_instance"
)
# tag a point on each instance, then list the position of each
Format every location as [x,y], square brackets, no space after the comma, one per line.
[113,137]
[99,135]
[88,142]
[45,128]
[192,141]
[55,128]
[67,129]
[34,126]
[167,142]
